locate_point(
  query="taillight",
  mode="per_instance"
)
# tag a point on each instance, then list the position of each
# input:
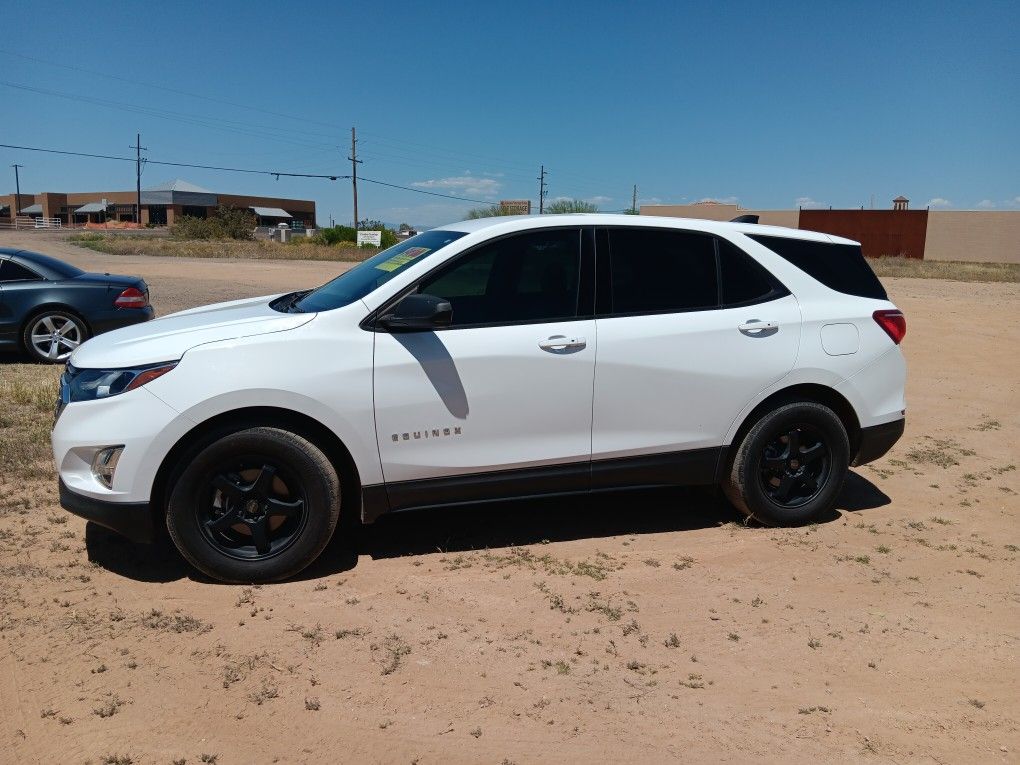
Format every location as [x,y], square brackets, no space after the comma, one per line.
[131,298]
[893,322]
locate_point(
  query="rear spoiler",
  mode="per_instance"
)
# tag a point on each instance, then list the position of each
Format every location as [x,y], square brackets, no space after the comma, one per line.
[745,219]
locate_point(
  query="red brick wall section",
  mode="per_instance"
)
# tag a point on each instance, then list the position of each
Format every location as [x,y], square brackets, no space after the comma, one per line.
[880,232]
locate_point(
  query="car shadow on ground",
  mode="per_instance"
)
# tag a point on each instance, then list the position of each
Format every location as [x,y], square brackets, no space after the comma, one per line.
[481,527]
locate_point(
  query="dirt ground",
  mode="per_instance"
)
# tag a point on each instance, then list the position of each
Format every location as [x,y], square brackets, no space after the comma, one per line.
[649,627]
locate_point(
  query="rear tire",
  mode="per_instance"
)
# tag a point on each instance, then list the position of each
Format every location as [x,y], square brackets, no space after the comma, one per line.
[258,505]
[52,336]
[790,466]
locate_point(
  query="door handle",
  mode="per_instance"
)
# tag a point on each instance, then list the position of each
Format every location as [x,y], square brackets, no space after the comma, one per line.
[561,343]
[758,328]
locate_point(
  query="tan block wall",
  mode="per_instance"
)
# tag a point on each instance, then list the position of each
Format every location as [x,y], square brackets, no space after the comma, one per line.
[974,236]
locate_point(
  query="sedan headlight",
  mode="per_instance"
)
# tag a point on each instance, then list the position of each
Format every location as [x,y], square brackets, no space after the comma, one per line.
[90,384]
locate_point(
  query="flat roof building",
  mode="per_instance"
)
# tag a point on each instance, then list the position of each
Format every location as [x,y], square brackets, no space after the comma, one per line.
[162,205]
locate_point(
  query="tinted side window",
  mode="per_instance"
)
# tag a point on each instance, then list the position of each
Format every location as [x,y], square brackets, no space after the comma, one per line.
[840,267]
[15,272]
[744,280]
[659,271]
[524,278]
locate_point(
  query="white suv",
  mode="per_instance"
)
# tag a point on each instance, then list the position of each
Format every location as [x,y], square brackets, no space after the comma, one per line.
[487,360]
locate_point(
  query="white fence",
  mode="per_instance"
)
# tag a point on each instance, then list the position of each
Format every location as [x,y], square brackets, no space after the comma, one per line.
[25,223]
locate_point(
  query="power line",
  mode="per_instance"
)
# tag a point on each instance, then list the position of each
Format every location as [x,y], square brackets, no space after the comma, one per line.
[231,126]
[166,89]
[422,191]
[275,173]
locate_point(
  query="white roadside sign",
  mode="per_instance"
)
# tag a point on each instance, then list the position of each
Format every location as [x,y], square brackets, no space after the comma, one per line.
[370,237]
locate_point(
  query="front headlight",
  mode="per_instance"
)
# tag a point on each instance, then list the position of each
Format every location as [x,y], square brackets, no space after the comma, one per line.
[90,384]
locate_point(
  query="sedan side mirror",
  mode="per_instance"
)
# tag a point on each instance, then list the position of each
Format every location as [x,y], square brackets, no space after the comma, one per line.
[418,313]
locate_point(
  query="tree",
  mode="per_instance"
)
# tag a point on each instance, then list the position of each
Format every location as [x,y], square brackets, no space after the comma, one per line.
[561,206]
[492,211]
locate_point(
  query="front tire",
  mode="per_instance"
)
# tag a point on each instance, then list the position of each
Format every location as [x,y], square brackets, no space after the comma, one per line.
[790,466]
[258,505]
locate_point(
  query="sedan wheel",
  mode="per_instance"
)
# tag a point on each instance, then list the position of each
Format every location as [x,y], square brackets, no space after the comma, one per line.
[52,337]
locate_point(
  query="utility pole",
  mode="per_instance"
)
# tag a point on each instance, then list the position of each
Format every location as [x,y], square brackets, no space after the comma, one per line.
[633,201]
[17,191]
[138,176]
[542,190]
[354,173]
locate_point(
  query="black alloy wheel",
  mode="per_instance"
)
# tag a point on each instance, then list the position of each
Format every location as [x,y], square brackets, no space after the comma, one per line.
[254,508]
[795,466]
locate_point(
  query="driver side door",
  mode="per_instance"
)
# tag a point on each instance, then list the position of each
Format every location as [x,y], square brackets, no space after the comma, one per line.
[498,404]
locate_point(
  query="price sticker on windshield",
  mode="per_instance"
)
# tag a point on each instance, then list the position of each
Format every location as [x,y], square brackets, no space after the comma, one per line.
[403,258]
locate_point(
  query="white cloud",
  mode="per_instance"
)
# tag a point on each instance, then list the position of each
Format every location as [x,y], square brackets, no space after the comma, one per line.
[649,201]
[462,184]
[986,204]
[1014,202]
[808,203]
[939,202]
[599,200]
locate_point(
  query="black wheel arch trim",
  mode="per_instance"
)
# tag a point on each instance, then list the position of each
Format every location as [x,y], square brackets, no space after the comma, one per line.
[810,392]
[236,420]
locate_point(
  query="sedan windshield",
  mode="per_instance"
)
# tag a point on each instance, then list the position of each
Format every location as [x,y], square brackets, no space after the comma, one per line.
[359,281]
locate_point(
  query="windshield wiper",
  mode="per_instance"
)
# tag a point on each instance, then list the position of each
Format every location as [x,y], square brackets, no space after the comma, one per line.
[288,303]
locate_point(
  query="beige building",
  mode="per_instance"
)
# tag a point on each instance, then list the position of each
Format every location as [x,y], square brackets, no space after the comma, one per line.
[723,211]
[979,236]
[161,206]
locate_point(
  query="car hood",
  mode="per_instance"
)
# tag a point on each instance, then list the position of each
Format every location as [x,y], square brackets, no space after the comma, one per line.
[168,338]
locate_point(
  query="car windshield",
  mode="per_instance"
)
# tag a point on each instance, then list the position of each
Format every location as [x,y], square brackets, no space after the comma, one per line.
[359,281]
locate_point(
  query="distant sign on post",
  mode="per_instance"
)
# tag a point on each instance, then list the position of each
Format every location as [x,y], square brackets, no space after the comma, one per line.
[515,206]
[373,238]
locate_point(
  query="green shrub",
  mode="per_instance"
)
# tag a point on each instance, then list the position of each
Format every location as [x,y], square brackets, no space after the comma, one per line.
[570,206]
[226,223]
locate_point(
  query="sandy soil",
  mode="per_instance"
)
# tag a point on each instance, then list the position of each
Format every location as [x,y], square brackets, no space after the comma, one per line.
[646,628]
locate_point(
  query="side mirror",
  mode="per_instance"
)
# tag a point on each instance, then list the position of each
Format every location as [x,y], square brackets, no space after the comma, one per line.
[418,313]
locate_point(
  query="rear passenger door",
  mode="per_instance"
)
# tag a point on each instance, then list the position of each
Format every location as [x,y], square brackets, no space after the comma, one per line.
[690,329]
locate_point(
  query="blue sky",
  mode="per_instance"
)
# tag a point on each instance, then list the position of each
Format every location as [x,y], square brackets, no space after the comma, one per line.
[765,104]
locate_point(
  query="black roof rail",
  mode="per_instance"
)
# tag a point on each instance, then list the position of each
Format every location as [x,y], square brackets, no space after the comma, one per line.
[745,219]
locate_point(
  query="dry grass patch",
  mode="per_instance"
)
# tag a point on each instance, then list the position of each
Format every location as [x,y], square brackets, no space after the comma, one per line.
[113,244]
[952,270]
[27,395]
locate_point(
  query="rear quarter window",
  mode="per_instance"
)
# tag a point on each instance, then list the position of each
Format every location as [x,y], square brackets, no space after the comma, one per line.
[840,267]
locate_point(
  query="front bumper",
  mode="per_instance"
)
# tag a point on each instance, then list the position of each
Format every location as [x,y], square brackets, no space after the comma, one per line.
[132,520]
[877,440]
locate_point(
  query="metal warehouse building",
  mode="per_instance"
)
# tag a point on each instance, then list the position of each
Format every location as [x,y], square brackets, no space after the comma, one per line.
[161,206]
